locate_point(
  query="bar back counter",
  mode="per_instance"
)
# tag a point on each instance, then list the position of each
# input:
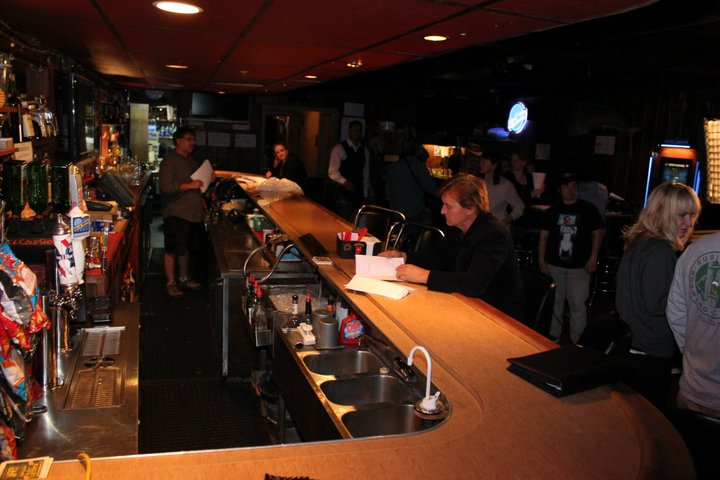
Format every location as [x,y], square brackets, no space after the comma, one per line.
[499,426]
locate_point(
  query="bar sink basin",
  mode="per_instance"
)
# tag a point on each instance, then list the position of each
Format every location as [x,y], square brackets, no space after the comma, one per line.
[368,390]
[385,420]
[343,363]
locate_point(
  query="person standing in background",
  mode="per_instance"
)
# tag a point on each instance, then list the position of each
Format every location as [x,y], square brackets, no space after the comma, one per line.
[377,171]
[286,165]
[182,212]
[568,248]
[693,312]
[409,183]
[349,172]
[505,203]
[643,282]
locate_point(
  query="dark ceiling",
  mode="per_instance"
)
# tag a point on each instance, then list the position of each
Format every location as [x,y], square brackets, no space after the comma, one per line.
[669,45]
[258,46]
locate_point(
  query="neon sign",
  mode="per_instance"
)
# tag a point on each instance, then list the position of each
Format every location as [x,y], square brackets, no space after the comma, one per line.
[517,118]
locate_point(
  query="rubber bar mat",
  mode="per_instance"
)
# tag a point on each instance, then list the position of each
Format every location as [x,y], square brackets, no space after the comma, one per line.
[174,346]
[199,415]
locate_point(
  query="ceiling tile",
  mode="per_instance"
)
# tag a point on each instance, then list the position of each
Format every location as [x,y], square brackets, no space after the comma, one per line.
[475,28]
[347,23]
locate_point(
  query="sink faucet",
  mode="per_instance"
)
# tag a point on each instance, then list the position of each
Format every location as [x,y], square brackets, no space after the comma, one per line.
[399,366]
[428,405]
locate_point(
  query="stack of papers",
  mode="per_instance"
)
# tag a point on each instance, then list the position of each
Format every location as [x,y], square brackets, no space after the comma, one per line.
[378,287]
[381,268]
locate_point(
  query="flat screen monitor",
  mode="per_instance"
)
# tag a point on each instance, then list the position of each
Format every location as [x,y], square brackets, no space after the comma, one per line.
[675,170]
[212,105]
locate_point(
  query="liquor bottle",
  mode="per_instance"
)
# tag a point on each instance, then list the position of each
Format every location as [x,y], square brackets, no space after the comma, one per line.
[295,318]
[307,318]
[251,298]
[260,320]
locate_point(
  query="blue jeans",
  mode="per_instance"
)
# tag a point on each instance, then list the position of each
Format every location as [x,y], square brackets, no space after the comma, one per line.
[572,284]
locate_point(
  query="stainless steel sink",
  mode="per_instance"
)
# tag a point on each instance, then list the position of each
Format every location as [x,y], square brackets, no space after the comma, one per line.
[368,390]
[385,420]
[343,363]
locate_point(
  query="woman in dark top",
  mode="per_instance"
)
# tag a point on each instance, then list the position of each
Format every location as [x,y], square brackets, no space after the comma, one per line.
[287,165]
[477,256]
[522,179]
[643,282]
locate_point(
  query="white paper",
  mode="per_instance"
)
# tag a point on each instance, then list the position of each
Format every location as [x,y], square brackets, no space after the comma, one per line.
[378,287]
[204,173]
[382,268]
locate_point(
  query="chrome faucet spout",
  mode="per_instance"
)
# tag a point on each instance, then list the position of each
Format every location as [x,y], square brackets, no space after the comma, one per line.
[429,404]
[429,366]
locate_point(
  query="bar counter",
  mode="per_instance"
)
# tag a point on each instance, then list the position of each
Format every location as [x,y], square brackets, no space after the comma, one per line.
[500,426]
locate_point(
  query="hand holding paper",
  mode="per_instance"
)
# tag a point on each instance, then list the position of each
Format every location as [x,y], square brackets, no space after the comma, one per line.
[205,174]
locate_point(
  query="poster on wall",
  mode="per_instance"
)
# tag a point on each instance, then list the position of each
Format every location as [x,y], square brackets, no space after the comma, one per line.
[245,140]
[218,139]
[354,109]
[542,151]
[604,145]
[200,138]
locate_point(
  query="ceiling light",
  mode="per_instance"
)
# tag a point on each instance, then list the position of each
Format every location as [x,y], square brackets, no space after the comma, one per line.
[180,67]
[355,64]
[311,77]
[221,92]
[177,7]
[435,38]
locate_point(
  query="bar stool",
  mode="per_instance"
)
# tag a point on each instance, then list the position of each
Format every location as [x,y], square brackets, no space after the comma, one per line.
[378,220]
[602,296]
[415,237]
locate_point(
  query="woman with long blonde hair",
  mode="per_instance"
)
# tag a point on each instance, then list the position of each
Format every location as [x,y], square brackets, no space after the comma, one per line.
[644,276]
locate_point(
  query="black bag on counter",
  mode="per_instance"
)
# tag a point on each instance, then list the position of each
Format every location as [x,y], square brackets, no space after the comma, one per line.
[570,369]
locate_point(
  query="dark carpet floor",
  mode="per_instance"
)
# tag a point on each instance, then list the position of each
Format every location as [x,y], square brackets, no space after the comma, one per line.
[185,402]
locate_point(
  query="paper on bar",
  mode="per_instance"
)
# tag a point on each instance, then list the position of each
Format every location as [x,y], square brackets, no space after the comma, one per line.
[382,268]
[378,287]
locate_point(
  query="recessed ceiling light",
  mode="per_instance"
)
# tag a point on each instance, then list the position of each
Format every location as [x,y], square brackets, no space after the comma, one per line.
[181,67]
[435,38]
[311,77]
[221,92]
[178,7]
[355,64]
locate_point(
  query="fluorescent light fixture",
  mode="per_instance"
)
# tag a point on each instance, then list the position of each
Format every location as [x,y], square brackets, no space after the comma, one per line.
[435,38]
[311,77]
[178,7]
[179,67]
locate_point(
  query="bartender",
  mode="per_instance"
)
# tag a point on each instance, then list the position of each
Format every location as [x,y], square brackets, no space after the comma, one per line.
[477,256]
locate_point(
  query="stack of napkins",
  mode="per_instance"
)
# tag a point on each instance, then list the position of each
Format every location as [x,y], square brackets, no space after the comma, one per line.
[378,287]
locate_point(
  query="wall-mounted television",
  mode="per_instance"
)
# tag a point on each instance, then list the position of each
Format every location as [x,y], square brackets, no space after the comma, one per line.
[214,105]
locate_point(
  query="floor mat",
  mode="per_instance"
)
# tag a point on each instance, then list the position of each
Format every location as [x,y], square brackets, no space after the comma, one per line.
[185,403]
[199,415]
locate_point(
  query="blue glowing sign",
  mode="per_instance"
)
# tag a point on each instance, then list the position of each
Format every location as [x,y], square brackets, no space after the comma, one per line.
[517,118]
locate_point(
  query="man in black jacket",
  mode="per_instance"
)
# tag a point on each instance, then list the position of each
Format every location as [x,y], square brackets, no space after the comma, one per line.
[477,256]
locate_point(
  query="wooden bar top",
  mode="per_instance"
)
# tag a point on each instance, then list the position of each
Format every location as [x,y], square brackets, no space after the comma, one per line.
[500,426]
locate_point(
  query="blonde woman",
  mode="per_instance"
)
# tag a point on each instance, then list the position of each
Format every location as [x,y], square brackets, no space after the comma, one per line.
[644,276]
